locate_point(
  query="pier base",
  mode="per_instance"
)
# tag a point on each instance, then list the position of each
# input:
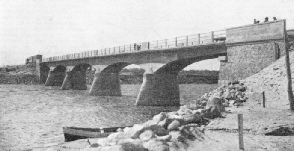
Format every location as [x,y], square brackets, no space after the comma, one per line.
[50,79]
[67,82]
[159,90]
[106,84]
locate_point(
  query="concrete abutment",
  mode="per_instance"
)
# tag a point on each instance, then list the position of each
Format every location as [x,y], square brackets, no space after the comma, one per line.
[106,84]
[251,48]
[159,90]
[50,79]
[67,82]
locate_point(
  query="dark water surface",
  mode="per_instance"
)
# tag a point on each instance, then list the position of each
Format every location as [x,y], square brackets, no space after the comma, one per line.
[32,116]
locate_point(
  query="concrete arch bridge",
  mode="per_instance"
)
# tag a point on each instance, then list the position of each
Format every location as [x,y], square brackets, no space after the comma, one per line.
[243,51]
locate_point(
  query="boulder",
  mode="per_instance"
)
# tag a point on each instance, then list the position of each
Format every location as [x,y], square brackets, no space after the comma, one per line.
[213,112]
[213,101]
[192,118]
[118,135]
[129,140]
[85,149]
[123,147]
[158,130]
[164,138]
[147,135]
[174,125]
[156,145]
[203,103]
[200,111]
[176,136]
[163,123]
[173,146]
[134,131]
[213,108]
[184,110]
[159,117]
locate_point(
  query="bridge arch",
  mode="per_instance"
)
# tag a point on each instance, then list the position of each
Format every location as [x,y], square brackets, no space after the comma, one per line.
[56,76]
[176,66]
[77,78]
[107,81]
[161,87]
[115,68]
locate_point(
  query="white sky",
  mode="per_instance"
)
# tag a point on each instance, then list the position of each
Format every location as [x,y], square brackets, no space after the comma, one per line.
[58,27]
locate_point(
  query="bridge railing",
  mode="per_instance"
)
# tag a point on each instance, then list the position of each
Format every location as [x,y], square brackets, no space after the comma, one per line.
[182,41]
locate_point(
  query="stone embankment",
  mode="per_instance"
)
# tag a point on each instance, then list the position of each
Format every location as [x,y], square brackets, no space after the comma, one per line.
[19,74]
[273,82]
[18,79]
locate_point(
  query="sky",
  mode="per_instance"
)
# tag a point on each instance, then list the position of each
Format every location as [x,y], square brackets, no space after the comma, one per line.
[59,27]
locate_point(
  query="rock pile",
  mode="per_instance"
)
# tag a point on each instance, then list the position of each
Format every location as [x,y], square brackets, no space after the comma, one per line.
[165,132]
[233,94]
[18,78]
[170,131]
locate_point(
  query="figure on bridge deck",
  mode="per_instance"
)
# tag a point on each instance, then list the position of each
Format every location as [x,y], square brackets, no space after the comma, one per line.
[256,21]
[274,18]
[266,19]
[135,46]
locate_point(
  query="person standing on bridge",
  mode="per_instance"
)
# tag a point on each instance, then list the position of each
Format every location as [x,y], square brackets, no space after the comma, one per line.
[135,46]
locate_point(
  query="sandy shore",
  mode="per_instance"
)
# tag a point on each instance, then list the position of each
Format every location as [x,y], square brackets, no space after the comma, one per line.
[32,116]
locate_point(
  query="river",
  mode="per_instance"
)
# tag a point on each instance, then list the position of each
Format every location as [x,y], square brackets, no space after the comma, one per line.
[32,116]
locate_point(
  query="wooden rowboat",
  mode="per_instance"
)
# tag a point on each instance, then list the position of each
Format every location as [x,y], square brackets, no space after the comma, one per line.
[75,133]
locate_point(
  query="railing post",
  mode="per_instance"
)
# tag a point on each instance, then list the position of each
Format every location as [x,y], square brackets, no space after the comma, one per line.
[130,47]
[109,50]
[187,40]
[212,36]
[124,48]
[176,41]
[157,44]
[165,43]
[198,39]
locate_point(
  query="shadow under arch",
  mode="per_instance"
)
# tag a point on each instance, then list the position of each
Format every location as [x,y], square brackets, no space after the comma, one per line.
[175,67]
[115,68]
[58,75]
[77,78]
[44,70]
[59,68]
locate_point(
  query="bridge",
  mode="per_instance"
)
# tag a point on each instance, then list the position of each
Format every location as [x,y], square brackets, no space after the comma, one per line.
[243,51]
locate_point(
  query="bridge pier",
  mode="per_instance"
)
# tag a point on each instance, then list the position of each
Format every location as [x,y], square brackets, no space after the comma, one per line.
[106,84]
[50,79]
[74,80]
[159,90]
[55,78]
[67,82]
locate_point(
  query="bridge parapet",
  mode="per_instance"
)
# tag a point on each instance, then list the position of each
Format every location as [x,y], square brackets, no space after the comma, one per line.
[182,41]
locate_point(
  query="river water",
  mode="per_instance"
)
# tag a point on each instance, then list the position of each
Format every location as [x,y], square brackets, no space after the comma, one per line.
[32,116]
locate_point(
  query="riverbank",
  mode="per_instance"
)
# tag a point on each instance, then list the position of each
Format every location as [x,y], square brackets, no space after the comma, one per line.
[32,116]
[221,134]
